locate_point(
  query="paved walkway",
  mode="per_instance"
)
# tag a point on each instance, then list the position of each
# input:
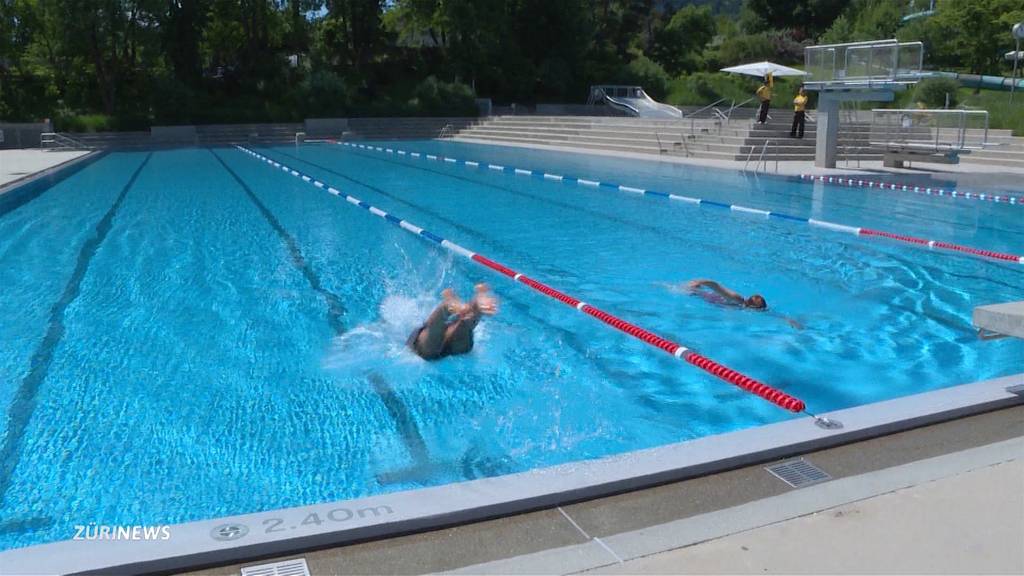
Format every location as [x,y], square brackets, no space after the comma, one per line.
[904,502]
[971,523]
[17,164]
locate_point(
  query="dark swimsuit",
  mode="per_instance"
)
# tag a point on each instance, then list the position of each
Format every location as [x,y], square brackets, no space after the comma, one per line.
[445,350]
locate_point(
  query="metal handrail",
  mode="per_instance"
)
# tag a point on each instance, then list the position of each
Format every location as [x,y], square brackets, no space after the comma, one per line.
[749,153]
[760,158]
[61,141]
[446,131]
[712,105]
[728,115]
[899,132]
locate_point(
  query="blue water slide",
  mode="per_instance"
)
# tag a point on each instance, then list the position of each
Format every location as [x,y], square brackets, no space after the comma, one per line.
[978,80]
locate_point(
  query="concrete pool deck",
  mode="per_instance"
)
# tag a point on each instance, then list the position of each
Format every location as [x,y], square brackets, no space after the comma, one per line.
[941,498]
[21,164]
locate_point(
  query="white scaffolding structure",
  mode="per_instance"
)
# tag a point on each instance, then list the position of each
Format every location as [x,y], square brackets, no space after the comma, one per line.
[856,72]
[927,135]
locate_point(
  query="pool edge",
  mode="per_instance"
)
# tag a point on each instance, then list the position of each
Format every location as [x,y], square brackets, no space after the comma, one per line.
[21,191]
[193,545]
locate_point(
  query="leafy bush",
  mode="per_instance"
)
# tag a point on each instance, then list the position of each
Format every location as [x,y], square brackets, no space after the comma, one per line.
[648,74]
[324,93]
[704,88]
[433,97]
[932,92]
[84,123]
[744,48]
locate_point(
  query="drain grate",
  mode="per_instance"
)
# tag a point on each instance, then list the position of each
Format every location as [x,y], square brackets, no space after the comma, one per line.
[798,473]
[294,567]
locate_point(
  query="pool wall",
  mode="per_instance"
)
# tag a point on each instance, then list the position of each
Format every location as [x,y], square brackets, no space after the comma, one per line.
[274,532]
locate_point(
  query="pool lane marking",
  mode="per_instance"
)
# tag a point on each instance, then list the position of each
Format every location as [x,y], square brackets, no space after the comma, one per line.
[768,214]
[684,353]
[23,404]
[926,190]
[409,433]
[335,309]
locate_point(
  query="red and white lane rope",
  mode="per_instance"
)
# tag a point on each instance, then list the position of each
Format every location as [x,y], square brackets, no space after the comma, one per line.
[679,351]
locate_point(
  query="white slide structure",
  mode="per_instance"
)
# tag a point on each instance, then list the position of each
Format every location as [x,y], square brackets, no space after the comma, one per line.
[633,101]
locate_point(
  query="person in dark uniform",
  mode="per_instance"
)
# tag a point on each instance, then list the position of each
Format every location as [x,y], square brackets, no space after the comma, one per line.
[764,93]
[449,328]
[799,114]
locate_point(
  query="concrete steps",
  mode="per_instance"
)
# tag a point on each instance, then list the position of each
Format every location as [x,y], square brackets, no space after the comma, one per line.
[710,138]
[705,138]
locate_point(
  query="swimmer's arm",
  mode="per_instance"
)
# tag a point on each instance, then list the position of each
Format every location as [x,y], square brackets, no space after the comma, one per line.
[727,293]
[793,323]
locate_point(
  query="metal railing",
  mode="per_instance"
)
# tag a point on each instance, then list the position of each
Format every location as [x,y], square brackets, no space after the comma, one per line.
[60,141]
[929,130]
[762,160]
[448,131]
[734,106]
[676,146]
[863,63]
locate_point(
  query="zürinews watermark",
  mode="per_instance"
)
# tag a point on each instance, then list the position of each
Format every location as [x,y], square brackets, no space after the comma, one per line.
[93,531]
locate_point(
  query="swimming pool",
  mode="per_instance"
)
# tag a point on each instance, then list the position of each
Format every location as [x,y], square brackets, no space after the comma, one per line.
[191,333]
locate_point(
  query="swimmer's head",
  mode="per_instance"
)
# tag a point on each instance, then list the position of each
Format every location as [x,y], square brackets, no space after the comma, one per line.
[756,302]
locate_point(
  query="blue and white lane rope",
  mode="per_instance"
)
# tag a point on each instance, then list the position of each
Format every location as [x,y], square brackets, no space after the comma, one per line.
[835,226]
[679,351]
[926,190]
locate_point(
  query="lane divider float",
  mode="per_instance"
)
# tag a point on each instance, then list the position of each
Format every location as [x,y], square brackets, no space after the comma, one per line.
[679,351]
[834,226]
[926,190]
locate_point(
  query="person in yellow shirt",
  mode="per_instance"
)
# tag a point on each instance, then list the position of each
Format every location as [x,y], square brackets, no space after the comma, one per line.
[799,114]
[764,92]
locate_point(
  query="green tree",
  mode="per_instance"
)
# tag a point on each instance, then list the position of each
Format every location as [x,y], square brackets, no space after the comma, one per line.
[865,20]
[975,33]
[679,45]
[808,18]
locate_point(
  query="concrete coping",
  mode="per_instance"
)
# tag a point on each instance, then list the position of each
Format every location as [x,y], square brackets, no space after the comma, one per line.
[242,537]
[1005,319]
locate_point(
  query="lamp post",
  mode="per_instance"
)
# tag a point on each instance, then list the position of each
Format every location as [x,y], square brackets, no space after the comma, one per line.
[1018,35]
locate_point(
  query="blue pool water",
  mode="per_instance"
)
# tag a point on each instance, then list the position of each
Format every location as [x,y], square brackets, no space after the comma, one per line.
[190,333]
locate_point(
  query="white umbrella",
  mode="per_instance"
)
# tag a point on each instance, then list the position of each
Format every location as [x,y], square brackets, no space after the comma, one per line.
[764,68]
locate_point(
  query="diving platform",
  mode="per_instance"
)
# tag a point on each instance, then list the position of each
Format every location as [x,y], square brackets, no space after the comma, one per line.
[856,72]
[1000,320]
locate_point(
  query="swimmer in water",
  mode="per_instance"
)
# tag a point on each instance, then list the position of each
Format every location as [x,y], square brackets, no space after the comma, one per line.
[449,328]
[718,294]
[725,295]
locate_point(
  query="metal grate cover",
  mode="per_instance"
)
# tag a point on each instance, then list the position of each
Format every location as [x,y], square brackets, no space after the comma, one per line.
[293,567]
[798,473]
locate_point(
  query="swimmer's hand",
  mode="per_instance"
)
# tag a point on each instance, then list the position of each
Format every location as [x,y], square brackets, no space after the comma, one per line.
[794,324]
[451,301]
[484,301]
